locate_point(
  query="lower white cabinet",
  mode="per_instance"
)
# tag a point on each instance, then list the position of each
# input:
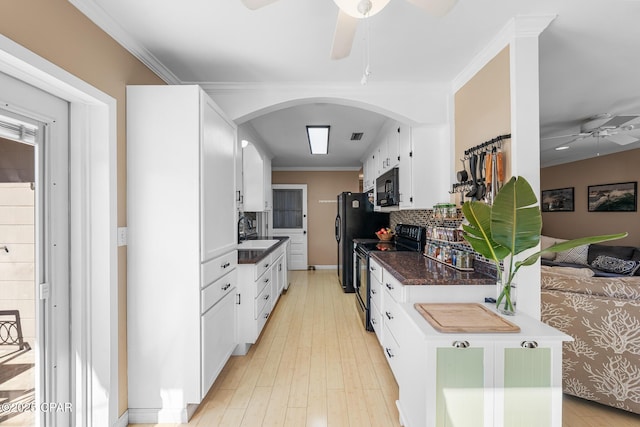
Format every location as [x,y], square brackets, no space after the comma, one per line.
[259,287]
[218,339]
[465,380]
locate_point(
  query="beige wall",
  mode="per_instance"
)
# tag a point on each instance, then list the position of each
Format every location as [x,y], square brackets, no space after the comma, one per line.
[58,32]
[321,186]
[483,109]
[619,167]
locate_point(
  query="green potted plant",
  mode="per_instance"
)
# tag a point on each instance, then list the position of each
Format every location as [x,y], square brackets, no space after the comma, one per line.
[510,226]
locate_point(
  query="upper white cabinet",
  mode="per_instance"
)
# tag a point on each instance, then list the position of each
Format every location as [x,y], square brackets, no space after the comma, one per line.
[429,168]
[181,254]
[256,172]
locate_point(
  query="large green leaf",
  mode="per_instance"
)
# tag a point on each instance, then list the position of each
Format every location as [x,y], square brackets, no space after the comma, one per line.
[516,222]
[478,231]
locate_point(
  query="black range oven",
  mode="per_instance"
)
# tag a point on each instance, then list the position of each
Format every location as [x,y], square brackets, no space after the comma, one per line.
[407,238]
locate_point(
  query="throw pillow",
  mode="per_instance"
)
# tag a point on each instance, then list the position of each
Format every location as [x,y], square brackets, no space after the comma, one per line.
[615,265]
[573,271]
[621,252]
[545,242]
[577,255]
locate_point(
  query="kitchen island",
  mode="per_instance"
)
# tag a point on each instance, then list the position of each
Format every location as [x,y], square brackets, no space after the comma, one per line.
[461,378]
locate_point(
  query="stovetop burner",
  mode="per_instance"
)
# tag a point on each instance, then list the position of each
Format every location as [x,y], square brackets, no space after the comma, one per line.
[407,238]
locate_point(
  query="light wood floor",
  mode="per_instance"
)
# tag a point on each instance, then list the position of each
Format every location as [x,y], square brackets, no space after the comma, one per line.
[315,365]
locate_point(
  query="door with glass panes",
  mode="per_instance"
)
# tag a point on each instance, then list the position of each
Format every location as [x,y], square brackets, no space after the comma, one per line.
[290,219]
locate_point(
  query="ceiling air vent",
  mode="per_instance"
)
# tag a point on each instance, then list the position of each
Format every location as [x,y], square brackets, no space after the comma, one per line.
[356,136]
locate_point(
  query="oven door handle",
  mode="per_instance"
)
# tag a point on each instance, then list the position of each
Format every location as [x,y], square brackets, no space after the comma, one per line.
[338,229]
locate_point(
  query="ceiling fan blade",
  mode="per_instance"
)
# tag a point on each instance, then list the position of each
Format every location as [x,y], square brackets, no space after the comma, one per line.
[256,4]
[435,7]
[343,36]
[617,121]
[621,139]
[565,136]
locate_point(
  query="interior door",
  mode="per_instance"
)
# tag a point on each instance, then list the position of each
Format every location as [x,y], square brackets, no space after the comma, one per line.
[290,219]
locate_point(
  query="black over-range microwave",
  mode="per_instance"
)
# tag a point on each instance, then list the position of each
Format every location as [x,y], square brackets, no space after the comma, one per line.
[387,189]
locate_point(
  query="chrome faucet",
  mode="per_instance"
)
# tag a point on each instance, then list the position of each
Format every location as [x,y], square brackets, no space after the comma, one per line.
[244,228]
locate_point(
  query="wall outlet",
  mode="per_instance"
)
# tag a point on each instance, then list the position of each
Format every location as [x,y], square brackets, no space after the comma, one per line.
[122,236]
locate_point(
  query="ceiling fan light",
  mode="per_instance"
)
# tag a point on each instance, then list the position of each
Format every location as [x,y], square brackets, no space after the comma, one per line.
[354,7]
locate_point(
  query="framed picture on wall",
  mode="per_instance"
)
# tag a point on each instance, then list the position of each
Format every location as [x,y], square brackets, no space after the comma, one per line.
[620,197]
[558,200]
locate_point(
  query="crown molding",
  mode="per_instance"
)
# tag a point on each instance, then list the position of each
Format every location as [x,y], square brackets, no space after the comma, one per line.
[103,20]
[516,27]
[316,168]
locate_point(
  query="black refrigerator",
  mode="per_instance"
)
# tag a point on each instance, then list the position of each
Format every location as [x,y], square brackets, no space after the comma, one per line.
[355,219]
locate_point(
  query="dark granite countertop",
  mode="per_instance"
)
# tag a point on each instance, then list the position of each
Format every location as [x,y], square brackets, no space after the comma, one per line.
[252,256]
[413,268]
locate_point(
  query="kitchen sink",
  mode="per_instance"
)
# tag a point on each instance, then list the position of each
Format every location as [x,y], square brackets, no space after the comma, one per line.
[257,244]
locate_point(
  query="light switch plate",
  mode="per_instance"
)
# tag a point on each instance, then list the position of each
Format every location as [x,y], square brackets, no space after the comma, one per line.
[122,236]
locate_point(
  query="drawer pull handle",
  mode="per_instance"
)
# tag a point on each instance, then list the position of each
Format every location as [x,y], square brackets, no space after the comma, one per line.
[266,297]
[266,315]
[389,286]
[529,344]
[266,265]
[388,351]
[227,286]
[372,268]
[266,280]
[373,292]
[225,265]
[460,344]
[373,321]
[389,315]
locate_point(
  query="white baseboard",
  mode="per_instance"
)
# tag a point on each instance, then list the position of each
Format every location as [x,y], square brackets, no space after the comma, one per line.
[155,415]
[326,267]
[123,421]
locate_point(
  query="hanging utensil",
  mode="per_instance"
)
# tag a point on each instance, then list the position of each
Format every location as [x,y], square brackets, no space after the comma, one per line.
[482,187]
[488,178]
[500,167]
[463,175]
[494,167]
[473,161]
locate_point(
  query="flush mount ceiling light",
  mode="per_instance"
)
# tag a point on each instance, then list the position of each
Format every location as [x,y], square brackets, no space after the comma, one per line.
[361,8]
[318,137]
[245,143]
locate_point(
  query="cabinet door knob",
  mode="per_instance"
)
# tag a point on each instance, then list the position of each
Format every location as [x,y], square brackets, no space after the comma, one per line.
[266,297]
[460,344]
[373,292]
[529,344]
[266,315]
[389,315]
[388,351]
[389,286]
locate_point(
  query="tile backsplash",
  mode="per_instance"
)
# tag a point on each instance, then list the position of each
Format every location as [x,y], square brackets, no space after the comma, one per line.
[426,218]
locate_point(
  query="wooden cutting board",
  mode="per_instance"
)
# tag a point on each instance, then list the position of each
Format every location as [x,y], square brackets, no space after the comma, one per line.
[464,317]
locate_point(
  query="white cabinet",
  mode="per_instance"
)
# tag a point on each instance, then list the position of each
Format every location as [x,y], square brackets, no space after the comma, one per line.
[181,251]
[259,287]
[256,171]
[465,379]
[369,172]
[430,170]
[405,170]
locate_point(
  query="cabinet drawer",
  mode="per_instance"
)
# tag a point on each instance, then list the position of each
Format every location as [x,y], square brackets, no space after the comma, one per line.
[391,352]
[376,321]
[375,269]
[262,266]
[218,267]
[263,316]
[263,298]
[216,290]
[376,292]
[264,281]
[392,316]
[393,287]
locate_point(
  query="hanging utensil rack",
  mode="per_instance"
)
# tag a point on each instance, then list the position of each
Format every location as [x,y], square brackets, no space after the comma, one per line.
[464,187]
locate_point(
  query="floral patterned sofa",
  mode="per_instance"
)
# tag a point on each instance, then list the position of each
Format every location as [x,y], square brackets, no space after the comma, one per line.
[602,314]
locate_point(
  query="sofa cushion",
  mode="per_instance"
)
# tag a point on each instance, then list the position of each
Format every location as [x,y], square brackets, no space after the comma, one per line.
[545,242]
[616,265]
[577,255]
[621,252]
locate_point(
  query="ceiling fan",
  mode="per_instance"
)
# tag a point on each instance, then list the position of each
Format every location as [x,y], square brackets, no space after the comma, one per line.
[604,126]
[351,11]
